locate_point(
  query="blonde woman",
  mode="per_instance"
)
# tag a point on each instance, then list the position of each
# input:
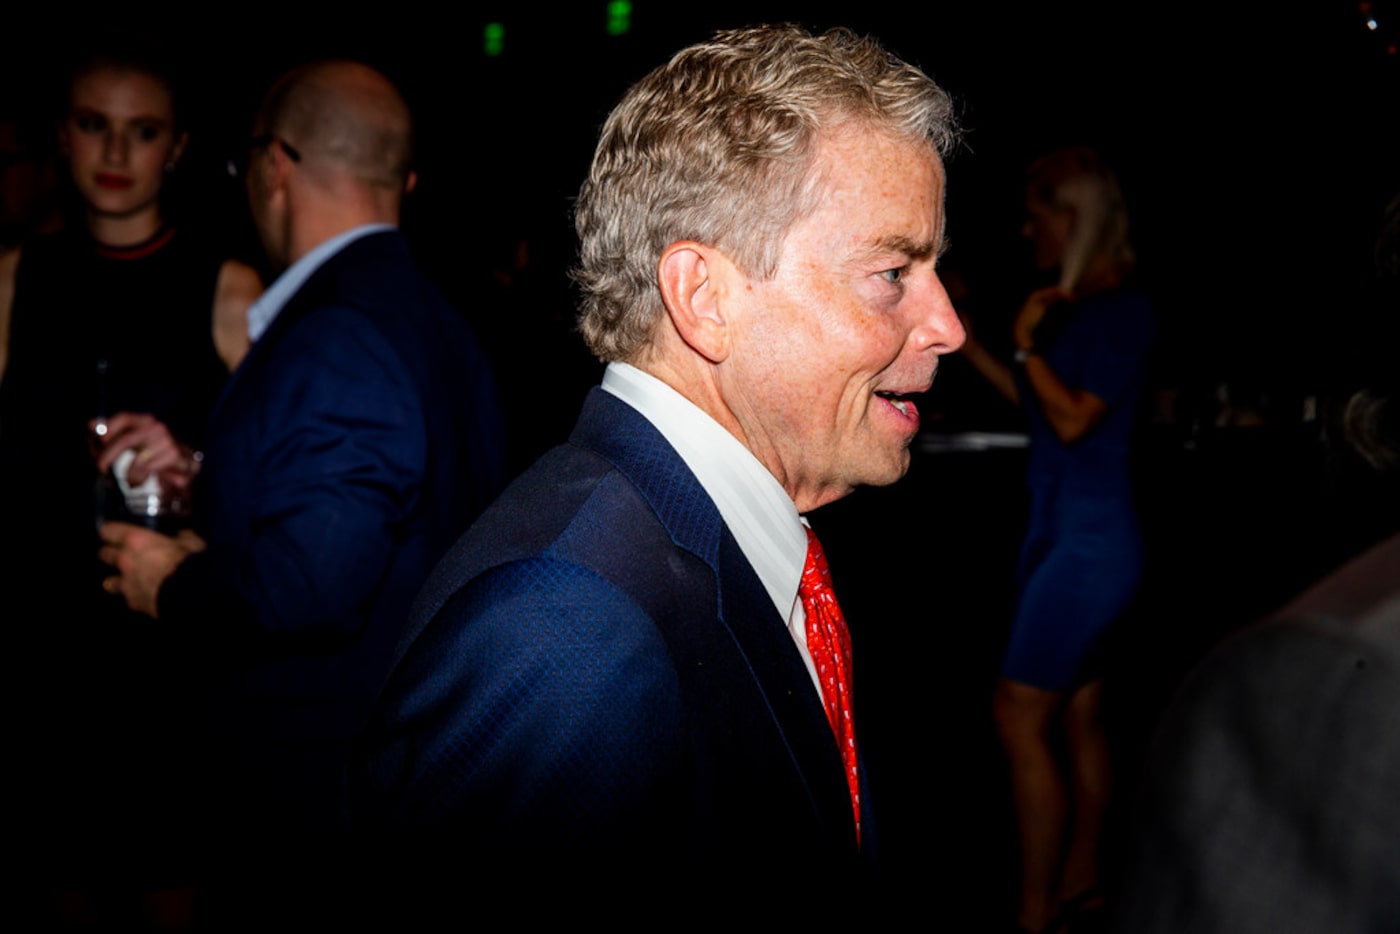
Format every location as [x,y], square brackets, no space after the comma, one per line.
[1082,349]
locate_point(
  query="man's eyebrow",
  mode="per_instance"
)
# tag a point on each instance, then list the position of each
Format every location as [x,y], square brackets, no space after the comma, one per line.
[914,249]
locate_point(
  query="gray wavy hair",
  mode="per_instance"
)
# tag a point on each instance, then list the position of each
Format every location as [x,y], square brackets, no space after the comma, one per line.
[717,146]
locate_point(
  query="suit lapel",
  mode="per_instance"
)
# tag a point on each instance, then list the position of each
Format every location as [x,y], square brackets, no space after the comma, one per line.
[763,638]
[622,435]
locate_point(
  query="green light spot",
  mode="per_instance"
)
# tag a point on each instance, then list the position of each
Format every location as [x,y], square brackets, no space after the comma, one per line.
[619,17]
[493,39]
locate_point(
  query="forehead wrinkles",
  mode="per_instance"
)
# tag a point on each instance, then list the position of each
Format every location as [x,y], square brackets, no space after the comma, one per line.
[877,186]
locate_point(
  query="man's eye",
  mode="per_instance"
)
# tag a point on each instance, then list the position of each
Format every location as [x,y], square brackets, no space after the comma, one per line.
[893,275]
[90,123]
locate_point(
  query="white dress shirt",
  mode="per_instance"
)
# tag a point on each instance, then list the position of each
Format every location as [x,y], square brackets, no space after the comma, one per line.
[759,513]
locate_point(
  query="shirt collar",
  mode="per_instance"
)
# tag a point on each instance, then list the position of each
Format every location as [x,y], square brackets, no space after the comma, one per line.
[269,305]
[757,510]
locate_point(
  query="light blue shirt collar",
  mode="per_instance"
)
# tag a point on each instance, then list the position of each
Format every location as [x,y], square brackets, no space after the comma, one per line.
[269,305]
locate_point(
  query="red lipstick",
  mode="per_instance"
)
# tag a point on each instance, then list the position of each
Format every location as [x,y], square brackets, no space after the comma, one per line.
[114,182]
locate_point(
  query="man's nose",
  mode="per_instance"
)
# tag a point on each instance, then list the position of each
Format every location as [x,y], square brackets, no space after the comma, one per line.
[940,329]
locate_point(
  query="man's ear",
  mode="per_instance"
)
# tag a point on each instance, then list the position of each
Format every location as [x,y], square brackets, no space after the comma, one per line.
[691,278]
[276,169]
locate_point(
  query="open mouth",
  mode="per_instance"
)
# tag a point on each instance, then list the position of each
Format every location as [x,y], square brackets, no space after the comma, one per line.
[902,402]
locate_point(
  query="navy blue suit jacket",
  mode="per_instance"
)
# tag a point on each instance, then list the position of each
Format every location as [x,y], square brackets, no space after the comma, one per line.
[595,675]
[352,446]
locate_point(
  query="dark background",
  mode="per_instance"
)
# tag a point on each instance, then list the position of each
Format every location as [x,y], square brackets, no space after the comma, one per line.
[1257,148]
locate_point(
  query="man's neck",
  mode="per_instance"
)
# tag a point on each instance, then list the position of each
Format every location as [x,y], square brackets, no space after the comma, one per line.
[269,305]
[305,238]
[702,383]
[317,215]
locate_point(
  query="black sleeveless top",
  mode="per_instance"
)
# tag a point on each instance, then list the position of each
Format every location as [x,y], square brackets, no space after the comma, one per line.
[144,310]
[101,698]
[142,315]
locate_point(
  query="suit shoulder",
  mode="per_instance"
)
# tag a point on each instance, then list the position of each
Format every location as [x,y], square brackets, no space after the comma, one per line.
[573,506]
[377,274]
[539,675]
[539,605]
[380,301]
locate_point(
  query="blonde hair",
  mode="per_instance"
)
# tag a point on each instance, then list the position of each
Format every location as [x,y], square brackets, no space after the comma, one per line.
[717,146]
[1077,179]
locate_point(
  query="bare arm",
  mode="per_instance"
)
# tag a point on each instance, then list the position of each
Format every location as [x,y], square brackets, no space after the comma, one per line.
[1071,412]
[992,369]
[238,287]
[9,265]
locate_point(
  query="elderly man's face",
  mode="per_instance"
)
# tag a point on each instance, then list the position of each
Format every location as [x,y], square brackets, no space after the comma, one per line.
[827,353]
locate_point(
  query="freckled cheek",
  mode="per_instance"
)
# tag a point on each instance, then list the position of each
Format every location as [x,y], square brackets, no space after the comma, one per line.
[880,342]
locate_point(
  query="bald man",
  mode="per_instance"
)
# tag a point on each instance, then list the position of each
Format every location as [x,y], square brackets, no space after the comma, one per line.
[357,440]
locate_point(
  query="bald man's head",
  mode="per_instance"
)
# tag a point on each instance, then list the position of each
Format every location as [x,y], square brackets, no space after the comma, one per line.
[344,116]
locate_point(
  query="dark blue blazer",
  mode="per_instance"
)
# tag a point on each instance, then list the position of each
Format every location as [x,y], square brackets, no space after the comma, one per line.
[594,675]
[356,441]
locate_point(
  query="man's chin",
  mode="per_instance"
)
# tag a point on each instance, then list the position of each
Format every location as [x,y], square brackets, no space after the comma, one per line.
[886,477]
[895,472]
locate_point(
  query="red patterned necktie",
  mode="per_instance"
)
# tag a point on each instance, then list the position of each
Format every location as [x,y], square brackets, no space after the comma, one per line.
[829,644]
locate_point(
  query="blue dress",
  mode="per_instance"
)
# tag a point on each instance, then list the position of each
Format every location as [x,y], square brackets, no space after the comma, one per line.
[1082,556]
